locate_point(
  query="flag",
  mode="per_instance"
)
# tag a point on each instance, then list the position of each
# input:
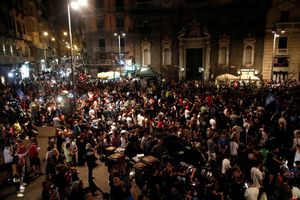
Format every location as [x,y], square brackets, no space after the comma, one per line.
[270,98]
[20,93]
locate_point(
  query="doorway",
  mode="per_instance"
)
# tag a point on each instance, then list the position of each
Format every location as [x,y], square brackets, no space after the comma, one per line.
[194,64]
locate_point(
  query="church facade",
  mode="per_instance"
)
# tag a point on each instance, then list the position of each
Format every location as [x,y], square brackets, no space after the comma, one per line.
[192,39]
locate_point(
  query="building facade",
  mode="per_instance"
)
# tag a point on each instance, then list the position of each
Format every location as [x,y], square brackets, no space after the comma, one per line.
[22,41]
[182,39]
[281,61]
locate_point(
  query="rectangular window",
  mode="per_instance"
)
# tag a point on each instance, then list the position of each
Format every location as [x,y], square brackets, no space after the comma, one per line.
[282,44]
[100,23]
[146,23]
[281,62]
[119,3]
[194,1]
[99,4]
[284,16]
[120,22]
[122,42]
[223,56]
[248,55]
[102,43]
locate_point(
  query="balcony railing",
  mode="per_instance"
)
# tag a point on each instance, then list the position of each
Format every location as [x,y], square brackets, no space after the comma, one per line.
[282,51]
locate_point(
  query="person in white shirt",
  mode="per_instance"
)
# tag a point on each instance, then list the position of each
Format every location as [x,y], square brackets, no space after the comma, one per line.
[92,113]
[187,112]
[213,123]
[252,192]
[73,149]
[141,119]
[256,175]
[7,156]
[296,146]
[234,147]
[124,138]
[225,165]
[296,193]
[56,121]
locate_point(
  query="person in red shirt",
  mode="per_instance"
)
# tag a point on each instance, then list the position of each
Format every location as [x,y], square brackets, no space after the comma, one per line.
[34,159]
[22,152]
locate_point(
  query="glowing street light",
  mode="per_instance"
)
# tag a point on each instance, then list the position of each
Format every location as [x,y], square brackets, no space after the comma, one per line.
[10,75]
[74,5]
[119,43]
[275,35]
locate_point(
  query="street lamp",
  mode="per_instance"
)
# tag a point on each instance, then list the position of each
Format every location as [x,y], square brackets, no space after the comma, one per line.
[275,35]
[119,43]
[74,5]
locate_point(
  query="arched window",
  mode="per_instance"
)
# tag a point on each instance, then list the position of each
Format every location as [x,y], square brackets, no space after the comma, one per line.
[146,52]
[248,55]
[147,57]
[223,57]
[166,51]
[167,57]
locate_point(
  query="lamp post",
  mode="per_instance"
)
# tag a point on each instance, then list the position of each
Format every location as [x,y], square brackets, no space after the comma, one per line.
[71,56]
[275,35]
[119,43]
[45,33]
[119,48]
[75,5]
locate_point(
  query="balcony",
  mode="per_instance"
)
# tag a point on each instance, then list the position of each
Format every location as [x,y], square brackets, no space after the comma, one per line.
[99,49]
[282,52]
[281,61]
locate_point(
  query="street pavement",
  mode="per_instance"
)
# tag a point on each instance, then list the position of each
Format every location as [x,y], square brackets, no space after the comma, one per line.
[34,188]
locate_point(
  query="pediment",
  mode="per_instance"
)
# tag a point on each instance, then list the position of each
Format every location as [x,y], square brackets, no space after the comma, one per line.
[194,29]
[287,5]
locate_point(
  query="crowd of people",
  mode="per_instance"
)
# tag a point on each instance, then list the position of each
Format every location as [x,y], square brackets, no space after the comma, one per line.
[246,139]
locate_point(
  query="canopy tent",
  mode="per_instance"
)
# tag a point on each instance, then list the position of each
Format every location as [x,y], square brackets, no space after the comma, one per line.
[226,77]
[108,75]
[148,73]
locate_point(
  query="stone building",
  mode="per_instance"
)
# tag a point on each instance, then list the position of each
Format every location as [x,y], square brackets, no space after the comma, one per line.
[282,41]
[182,39]
[22,24]
[196,39]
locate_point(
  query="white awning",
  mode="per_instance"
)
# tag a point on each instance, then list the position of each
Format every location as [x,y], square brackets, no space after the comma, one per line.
[226,77]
